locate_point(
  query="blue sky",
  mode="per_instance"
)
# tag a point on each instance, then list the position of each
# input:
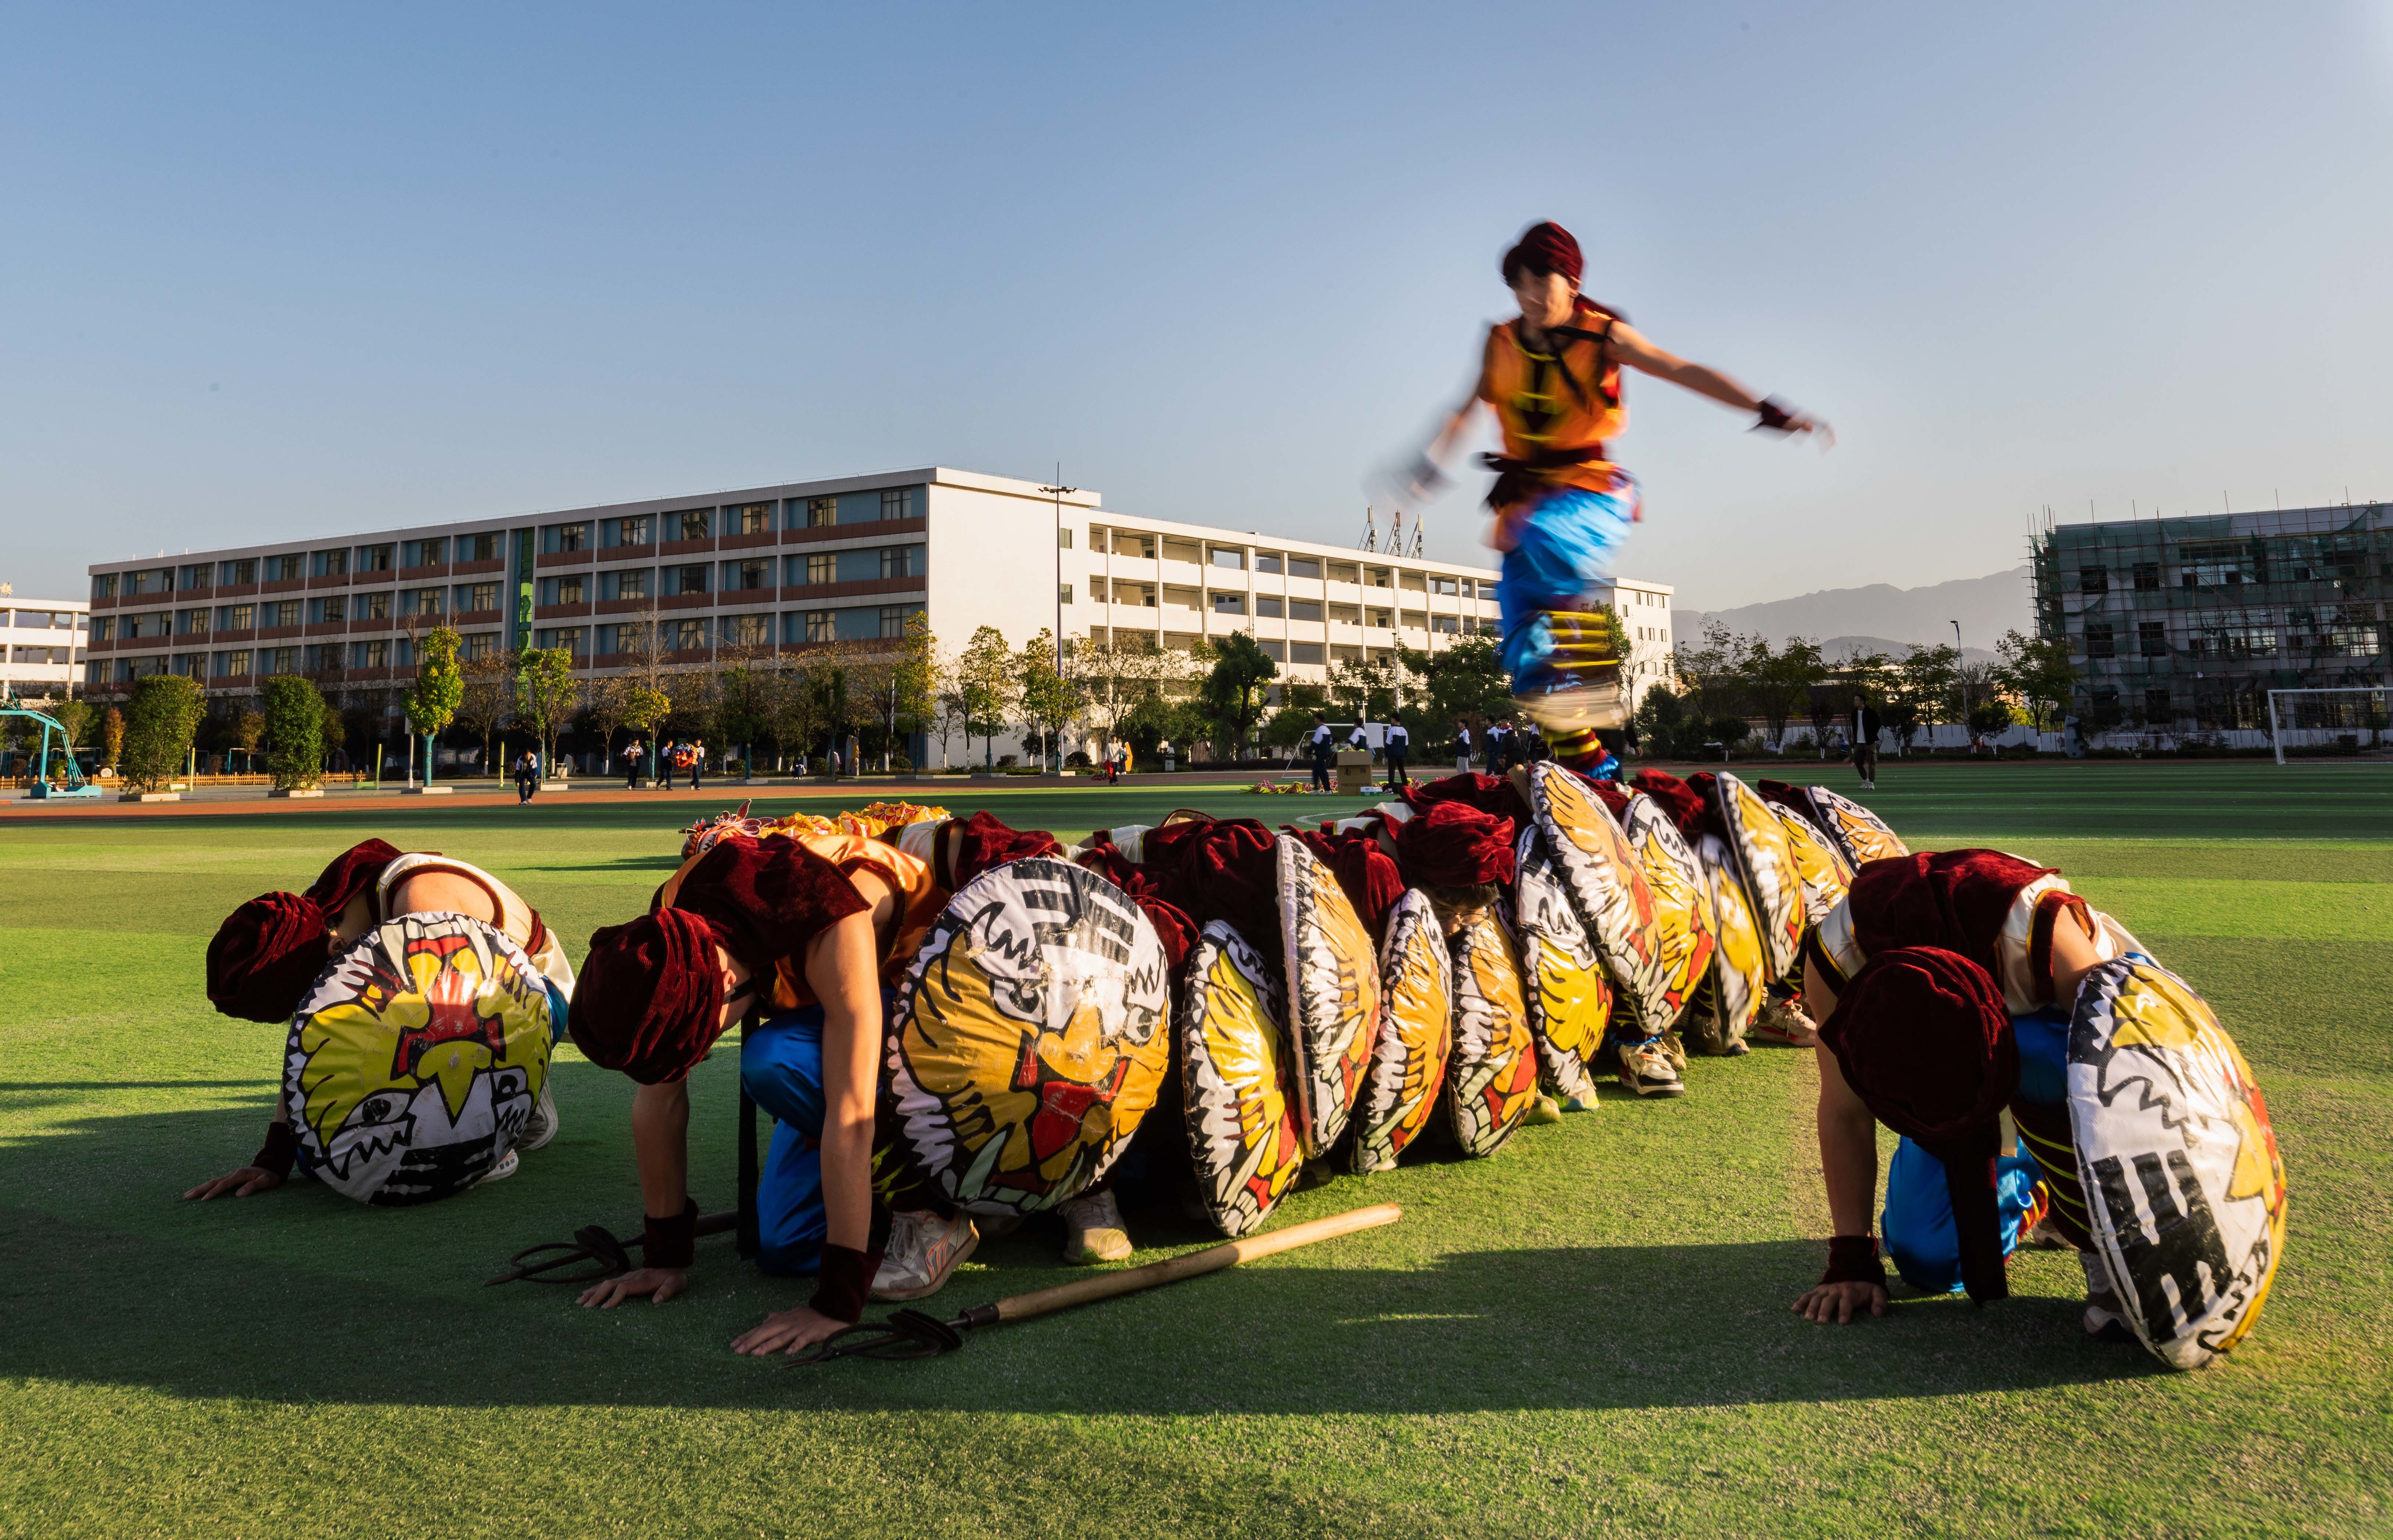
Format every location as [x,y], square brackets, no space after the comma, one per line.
[330,268]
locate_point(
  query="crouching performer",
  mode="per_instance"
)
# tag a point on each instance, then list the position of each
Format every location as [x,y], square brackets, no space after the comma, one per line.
[1963,986]
[421,996]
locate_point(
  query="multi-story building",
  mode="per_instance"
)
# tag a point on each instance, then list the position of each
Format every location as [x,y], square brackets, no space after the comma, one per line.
[40,646]
[782,567]
[2187,623]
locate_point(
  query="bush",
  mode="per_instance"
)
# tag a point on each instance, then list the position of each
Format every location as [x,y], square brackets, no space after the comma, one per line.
[160,718]
[1076,760]
[295,729]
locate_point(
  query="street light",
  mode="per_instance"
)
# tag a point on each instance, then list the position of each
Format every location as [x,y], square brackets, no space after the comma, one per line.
[1057,492]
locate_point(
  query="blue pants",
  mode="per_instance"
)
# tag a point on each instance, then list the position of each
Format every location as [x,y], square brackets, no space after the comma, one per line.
[1917,1222]
[1566,551]
[781,1068]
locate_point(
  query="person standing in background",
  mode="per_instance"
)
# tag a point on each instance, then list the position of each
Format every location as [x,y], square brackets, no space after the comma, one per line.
[697,762]
[1400,743]
[1321,742]
[1865,730]
[631,766]
[527,777]
[1461,746]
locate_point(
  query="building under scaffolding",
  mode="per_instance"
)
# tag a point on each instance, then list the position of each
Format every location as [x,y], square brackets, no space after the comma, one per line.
[2186,624]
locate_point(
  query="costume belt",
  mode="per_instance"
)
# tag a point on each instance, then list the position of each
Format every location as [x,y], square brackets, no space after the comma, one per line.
[1520,479]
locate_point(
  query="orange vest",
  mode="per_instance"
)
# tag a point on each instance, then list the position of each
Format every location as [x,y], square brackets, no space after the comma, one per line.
[1555,407]
[920,899]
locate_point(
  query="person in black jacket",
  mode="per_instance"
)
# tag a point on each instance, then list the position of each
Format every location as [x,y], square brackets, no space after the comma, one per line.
[1865,729]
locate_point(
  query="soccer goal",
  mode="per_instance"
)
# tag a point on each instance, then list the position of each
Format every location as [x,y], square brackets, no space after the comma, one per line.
[2315,725]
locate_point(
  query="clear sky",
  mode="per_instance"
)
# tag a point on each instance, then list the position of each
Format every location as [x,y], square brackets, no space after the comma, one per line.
[328,269]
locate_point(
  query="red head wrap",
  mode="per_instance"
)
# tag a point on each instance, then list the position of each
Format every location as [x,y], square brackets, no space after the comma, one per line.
[650,997]
[1923,1038]
[1957,899]
[267,951]
[1493,795]
[988,843]
[1454,845]
[1546,248]
[1686,808]
[1368,879]
[766,898]
[1791,797]
[1230,871]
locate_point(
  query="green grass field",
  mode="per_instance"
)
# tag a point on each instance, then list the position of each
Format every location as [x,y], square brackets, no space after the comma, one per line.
[1587,1334]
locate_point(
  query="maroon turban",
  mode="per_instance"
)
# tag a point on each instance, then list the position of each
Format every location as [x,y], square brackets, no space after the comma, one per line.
[1365,874]
[1455,845]
[1493,795]
[988,843]
[1685,806]
[267,951]
[1230,871]
[1923,1038]
[1791,797]
[650,1001]
[766,898]
[1956,899]
[1545,248]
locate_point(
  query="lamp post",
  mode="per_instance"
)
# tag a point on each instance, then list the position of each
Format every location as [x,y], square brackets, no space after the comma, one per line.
[1057,492]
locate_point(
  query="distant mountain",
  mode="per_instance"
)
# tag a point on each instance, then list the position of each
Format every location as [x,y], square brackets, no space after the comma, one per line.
[1836,649]
[1884,618]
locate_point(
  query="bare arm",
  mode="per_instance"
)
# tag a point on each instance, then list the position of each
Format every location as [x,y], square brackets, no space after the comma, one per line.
[1631,347]
[1847,1165]
[660,1148]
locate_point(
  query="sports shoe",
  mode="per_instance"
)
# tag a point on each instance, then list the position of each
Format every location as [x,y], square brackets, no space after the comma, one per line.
[1676,1049]
[504,1169]
[923,1251]
[540,1127]
[1094,1231]
[1545,1109]
[2104,1322]
[1645,1068]
[1585,1103]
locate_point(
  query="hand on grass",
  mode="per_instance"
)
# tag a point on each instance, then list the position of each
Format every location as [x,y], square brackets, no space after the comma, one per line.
[1840,1302]
[242,1184]
[660,1284]
[787,1331]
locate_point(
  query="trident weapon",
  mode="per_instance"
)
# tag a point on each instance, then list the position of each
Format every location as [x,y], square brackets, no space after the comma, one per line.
[594,1244]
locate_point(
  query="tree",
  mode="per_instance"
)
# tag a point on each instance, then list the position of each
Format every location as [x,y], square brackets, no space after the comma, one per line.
[487,699]
[2037,670]
[906,697]
[986,684]
[159,719]
[744,708]
[439,688]
[1709,676]
[1235,689]
[111,736]
[1779,683]
[1464,683]
[546,693]
[1922,691]
[1364,690]
[73,718]
[1050,698]
[295,731]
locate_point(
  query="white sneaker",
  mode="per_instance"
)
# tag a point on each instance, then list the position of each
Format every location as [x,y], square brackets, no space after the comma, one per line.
[504,1169]
[540,1127]
[1093,1230]
[2104,1322]
[923,1251]
[1645,1068]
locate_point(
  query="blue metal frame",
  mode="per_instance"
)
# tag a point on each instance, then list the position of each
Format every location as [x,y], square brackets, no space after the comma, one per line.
[40,787]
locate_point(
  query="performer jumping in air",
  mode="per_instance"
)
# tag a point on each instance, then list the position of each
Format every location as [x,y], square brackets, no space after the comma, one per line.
[1562,508]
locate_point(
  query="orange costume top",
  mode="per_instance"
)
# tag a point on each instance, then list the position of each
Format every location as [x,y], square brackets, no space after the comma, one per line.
[920,899]
[1557,411]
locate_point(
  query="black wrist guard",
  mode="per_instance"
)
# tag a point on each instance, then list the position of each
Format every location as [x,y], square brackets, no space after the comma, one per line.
[1774,418]
[1853,1259]
[671,1242]
[845,1280]
[280,1148]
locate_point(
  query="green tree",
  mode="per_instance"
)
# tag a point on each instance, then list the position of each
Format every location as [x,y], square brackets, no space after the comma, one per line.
[1922,691]
[1464,683]
[1658,721]
[1364,690]
[744,709]
[295,731]
[73,718]
[439,689]
[1235,690]
[1778,683]
[547,693]
[111,737]
[2037,671]
[908,698]
[158,721]
[489,697]
[985,685]
[1710,671]
[1050,698]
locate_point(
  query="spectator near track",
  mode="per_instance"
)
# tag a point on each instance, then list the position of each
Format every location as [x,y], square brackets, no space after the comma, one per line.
[1461,746]
[1865,730]
[1400,743]
[527,777]
[697,763]
[631,766]
[1323,747]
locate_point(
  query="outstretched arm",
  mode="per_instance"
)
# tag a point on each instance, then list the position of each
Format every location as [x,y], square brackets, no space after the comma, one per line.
[660,1147]
[1631,347]
[1849,1167]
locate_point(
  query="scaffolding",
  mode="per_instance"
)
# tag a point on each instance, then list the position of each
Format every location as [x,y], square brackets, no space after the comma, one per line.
[2184,625]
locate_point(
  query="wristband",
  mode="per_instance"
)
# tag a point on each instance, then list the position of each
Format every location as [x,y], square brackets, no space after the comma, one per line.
[845,1279]
[671,1242]
[1853,1259]
[1775,417]
[280,1148]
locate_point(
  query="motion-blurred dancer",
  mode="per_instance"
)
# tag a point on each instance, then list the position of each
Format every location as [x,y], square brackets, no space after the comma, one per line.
[1562,509]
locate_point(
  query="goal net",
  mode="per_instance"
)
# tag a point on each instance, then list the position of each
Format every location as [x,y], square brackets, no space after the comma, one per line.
[2330,725]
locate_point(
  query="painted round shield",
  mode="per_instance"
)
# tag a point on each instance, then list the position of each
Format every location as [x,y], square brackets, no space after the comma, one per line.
[1408,1053]
[416,1059]
[1562,981]
[1767,864]
[1860,835]
[1029,1039]
[1593,858]
[1818,865]
[1491,1080]
[1242,1123]
[2184,1187]
[1740,971]
[1685,936]
[1333,993]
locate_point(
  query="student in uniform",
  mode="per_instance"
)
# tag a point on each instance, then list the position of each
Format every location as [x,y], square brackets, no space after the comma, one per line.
[1400,743]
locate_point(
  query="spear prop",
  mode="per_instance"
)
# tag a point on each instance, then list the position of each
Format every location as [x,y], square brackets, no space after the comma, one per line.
[594,1244]
[911,1334]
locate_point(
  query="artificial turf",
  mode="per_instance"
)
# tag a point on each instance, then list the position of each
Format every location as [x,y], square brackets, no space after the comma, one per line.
[1587,1334]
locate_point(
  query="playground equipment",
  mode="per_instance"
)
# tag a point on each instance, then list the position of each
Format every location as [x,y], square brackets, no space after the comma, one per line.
[39,782]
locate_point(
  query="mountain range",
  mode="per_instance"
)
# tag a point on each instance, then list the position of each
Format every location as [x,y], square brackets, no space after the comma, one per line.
[1882,618]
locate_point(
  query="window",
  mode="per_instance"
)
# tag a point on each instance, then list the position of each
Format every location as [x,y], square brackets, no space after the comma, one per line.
[753,574]
[1128,544]
[283,613]
[419,601]
[898,502]
[685,580]
[753,519]
[1183,550]
[1373,577]
[2151,638]
[564,537]
[563,590]
[479,597]
[191,623]
[686,636]
[1064,593]
[821,512]
[280,660]
[1229,604]
[688,523]
[1304,610]
[627,531]
[237,618]
[820,568]
[1446,586]
[571,639]
[1267,606]
[477,547]
[819,625]
[1304,652]
[1451,625]
[1267,561]
[1229,556]
[899,561]
[746,631]
[1274,651]
[189,578]
[242,572]
[2094,579]
[162,580]
[235,663]
[104,586]
[335,607]
[103,628]
[331,564]
[1063,539]
[370,607]
[632,584]
[2099,640]
[2147,575]
[893,619]
[423,552]
[369,655]
[1412,620]
[478,644]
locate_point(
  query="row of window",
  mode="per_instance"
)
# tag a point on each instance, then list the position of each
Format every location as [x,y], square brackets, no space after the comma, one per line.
[39,655]
[332,562]
[43,619]
[752,573]
[738,518]
[2231,564]
[2330,639]
[321,610]
[1146,547]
